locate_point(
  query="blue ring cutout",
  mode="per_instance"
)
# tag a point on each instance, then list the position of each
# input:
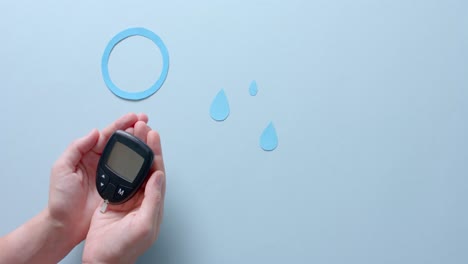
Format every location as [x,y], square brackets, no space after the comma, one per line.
[105,61]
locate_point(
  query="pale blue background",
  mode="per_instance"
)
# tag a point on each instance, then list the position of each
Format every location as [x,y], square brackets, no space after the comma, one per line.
[369,99]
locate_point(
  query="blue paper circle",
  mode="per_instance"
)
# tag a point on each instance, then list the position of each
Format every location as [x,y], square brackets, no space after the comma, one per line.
[105,61]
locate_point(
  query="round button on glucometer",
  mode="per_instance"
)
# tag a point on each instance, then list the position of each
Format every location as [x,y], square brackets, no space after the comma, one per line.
[123,167]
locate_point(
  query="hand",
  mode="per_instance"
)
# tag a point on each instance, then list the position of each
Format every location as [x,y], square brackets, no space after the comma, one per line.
[72,192]
[125,231]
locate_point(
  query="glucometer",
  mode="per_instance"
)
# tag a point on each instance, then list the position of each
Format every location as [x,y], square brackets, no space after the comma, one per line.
[122,168]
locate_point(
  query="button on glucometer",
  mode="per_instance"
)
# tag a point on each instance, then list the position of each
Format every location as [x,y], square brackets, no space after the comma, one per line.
[109,191]
[121,192]
[103,180]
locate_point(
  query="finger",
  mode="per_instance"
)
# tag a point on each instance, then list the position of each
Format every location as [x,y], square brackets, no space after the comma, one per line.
[143,117]
[161,208]
[130,130]
[122,123]
[154,142]
[73,154]
[141,130]
[153,198]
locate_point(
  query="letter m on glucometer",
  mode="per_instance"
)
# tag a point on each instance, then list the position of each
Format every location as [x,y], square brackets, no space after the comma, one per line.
[123,167]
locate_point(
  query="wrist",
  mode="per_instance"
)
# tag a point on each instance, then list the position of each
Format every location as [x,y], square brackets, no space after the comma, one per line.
[100,251]
[58,229]
[63,228]
[40,240]
[60,236]
[93,257]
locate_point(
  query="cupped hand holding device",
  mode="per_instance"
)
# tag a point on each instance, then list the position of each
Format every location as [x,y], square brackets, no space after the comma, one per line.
[119,235]
[132,219]
[72,193]
[74,199]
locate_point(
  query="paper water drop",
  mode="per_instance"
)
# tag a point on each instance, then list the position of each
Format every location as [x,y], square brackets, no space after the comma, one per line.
[269,139]
[253,89]
[219,109]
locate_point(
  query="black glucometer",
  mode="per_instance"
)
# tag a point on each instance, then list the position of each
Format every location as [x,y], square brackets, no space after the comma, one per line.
[122,168]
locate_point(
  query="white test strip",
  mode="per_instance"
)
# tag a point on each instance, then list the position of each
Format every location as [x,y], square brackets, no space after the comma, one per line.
[104,206]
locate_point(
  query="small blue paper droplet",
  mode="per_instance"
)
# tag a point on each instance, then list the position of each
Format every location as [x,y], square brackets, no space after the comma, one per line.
[269,138]
[219,109]
[253,89]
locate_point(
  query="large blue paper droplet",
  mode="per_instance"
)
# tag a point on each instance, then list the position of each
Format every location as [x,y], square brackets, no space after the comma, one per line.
[219,109]
[269,139]
[253,89]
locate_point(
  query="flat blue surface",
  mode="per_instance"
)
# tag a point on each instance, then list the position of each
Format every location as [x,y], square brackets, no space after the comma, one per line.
[369,99]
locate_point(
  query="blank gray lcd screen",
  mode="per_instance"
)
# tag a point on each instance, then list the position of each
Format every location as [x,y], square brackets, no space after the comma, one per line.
[124,161]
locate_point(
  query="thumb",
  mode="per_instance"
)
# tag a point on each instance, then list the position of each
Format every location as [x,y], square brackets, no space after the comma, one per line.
[75,151]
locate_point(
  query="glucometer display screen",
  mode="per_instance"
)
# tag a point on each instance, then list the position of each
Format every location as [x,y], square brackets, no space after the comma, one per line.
[124,161]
